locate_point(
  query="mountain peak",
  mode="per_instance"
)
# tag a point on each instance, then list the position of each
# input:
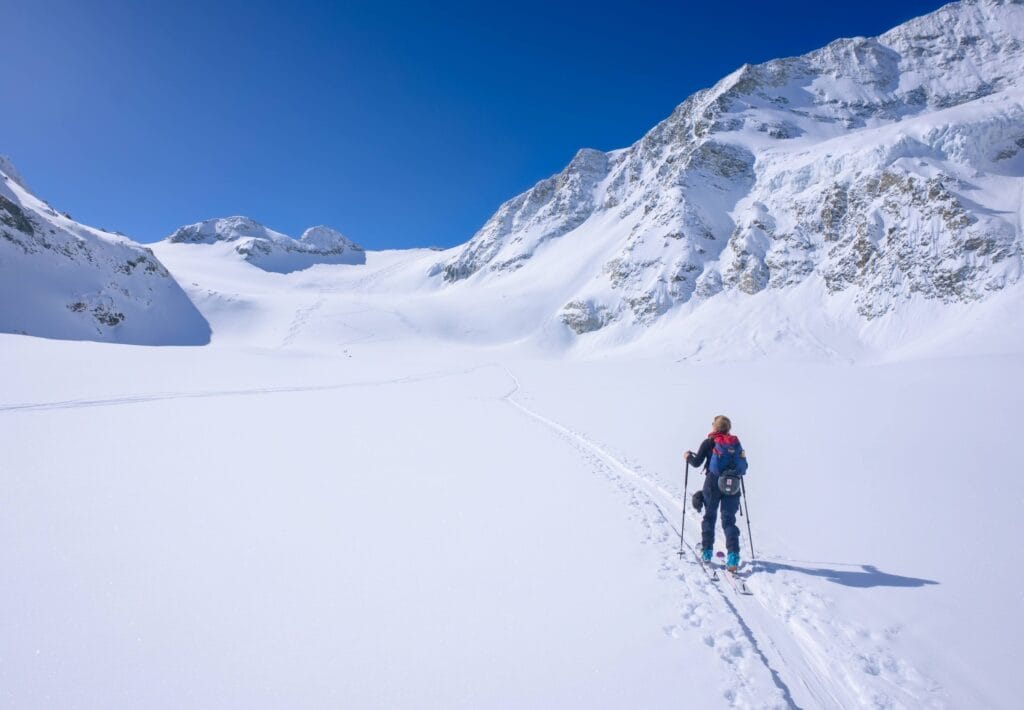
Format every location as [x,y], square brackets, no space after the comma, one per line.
[876,171]
[222,229]
[270,250]
[325,240]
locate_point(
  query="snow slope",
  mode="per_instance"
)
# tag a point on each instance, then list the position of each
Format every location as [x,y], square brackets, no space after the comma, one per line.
[61,279]
[394,296]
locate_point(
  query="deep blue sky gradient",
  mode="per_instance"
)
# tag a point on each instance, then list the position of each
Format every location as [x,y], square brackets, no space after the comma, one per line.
[401,124]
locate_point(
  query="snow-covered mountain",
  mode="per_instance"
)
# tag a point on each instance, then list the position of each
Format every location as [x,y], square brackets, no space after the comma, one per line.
[869,175]
[861,202]
[270,250]
[62,279]
[862,199]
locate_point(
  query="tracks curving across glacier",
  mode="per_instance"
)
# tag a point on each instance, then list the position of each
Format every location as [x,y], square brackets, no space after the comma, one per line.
[14,408]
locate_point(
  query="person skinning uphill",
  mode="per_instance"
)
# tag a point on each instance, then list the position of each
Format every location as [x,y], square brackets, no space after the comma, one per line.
[724,461]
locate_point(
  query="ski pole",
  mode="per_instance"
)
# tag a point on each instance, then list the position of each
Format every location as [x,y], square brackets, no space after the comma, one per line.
[686,480]
[750,535]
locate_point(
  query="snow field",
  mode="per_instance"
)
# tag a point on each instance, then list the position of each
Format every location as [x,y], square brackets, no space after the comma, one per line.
[232,527]
[416,544]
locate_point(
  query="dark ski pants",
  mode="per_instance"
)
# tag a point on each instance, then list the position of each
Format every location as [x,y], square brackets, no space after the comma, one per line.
[730,504]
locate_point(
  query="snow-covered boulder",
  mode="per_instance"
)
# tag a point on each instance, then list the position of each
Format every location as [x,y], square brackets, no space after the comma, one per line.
[270,250]
[62,279]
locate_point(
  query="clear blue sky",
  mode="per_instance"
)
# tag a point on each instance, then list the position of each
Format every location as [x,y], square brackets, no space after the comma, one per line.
[401,124]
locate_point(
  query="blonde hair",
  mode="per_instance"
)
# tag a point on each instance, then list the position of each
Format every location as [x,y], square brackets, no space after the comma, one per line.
[722,424]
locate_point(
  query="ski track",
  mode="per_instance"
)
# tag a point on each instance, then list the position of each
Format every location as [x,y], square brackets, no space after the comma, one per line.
[814,660]
[301,318]
[209,394]
[370,279]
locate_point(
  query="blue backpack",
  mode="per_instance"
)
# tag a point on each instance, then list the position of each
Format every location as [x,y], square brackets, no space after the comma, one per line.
[728,456]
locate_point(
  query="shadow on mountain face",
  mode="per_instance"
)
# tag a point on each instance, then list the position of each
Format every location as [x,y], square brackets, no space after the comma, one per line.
[189,328]
[288,262]
[866,576]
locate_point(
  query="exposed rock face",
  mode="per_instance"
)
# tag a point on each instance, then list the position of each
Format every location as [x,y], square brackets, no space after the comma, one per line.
[906,234]
[885,168]
[61,279]
[548,210]
[270,250]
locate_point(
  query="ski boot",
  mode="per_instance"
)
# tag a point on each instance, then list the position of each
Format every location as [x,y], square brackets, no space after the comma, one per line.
[706,555]
[732,562]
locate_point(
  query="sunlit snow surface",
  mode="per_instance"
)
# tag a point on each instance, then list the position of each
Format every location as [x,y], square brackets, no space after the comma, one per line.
[428,479]
[354,497]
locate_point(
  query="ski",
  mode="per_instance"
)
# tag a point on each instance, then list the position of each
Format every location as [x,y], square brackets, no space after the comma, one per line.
[737,583]
[709,569]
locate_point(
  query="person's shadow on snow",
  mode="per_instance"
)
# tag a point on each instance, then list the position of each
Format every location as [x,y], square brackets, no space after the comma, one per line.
[866,576]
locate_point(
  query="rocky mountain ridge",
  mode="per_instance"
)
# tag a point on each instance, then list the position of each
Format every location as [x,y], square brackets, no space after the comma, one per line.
[62,279]
[885,169]
[270,250]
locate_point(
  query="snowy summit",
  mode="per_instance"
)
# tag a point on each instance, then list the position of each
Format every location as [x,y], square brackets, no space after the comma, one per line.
[270,250]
